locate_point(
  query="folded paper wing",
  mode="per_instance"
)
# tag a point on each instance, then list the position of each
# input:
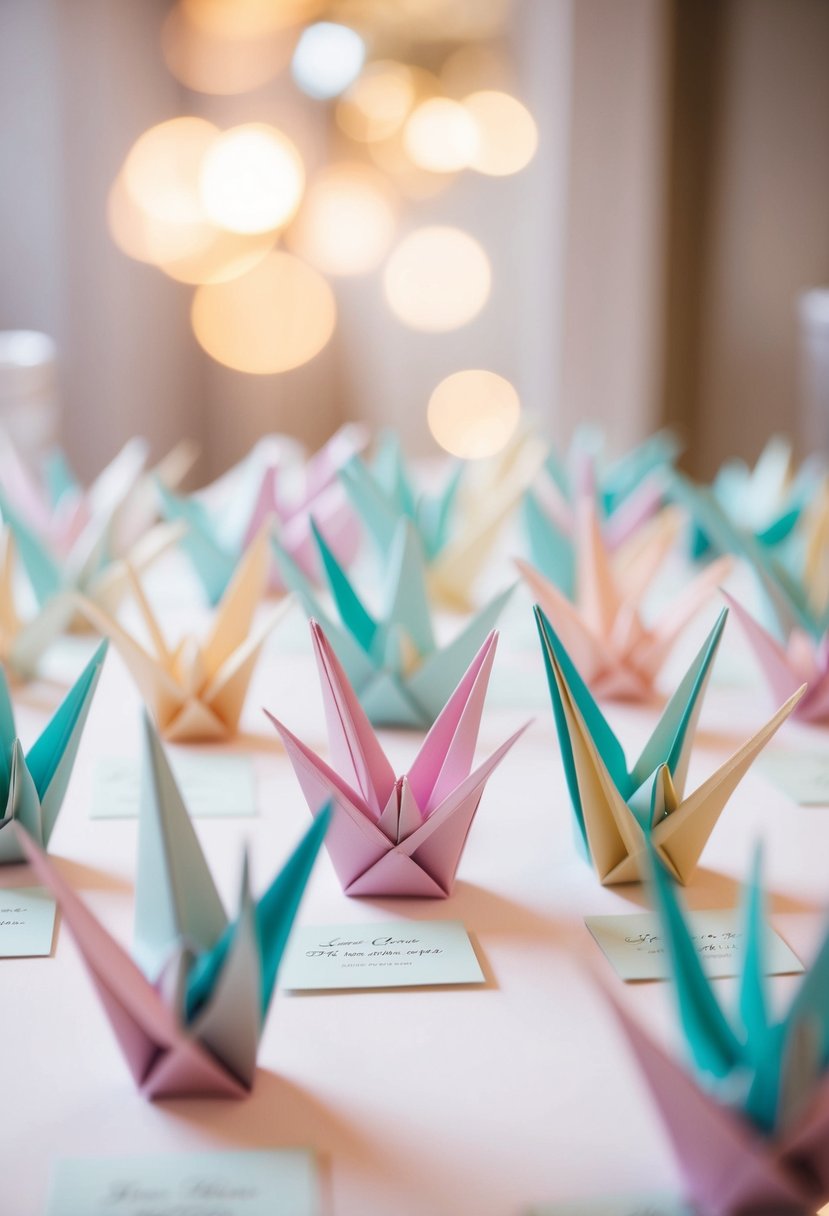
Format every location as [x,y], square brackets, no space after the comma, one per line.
[189,1018]
[35,784]
[197,690]
[393,836]
[618,812]
[401,676]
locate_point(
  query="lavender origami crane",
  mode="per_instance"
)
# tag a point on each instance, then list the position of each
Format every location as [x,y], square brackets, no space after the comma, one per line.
[400,674]
[751,1131]
[395,835]
[188,1013]
[223,519]
[603,627]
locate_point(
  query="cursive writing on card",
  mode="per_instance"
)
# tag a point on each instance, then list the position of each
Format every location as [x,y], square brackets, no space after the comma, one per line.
[27,922]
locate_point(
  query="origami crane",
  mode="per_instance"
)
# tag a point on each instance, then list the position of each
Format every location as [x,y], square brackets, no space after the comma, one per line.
[197,690]
[752,1135]
[456,536]
[401,676]
[396,835]
[618,655]
[800,661]
[189,1012]
[36,782]
[223,519]
[618,811]
[23,640]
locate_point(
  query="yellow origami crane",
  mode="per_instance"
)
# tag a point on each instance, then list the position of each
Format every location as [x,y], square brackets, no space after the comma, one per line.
[619,656]
[196,691]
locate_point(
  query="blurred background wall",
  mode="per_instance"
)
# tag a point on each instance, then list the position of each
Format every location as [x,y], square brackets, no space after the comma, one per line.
[646,264]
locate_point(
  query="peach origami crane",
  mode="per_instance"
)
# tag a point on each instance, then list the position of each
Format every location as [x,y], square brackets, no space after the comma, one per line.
[223,519]
[800,661]
[752,1135]
[396,835]
[197,690]
[189,1013]
[617,654]
[620,813]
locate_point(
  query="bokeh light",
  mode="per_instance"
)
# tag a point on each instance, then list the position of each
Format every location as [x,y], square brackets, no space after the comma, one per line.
[248,18]
[507,133]
[474,66]
[276,317]
[145,237]
[224,256]
[220,63]
[161,171]
[378,102]
[473,414]
[347,221]
[441,135]
[437,279]
[251,179]
[328,58]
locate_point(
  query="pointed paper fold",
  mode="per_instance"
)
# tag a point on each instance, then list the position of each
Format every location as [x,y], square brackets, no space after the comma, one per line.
[401,676]
[189,1013]
[223,519]
[752,1132]
[33,785]
[197,690]
[620,812]
[598,610]
[396,835]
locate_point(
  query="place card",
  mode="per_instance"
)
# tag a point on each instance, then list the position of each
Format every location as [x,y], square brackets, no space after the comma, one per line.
[802,775]
[213,784]
[635,946]
[617,1205]
[397,954]
[261,1183]
[27,922]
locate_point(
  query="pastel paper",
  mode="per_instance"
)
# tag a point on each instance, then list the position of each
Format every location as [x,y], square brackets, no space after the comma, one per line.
[400,675]
[189,1014]
[603,625]
[396,835]
[197,690]
[752,1135]
[619,812]
[35,783]
[24,641]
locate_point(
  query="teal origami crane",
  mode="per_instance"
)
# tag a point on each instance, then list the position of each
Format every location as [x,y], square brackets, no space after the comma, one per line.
[400,674]
[189,1009]
[36,781]
[751,1131]
[620,812]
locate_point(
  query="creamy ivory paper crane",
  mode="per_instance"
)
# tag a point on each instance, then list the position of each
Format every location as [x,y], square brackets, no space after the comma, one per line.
[393,661]
[35,782]
[619,812]
[196,690]
[223,520]
[604,629]
[395,835]
[751,1130]
[189,1011]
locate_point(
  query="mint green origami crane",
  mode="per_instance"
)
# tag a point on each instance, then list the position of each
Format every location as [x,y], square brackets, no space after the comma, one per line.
[619,812]
[36,782]
[401,676]
[190,1008]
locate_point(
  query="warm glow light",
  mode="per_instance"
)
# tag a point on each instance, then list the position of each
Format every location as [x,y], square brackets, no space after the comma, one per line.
[276,317]
[327,59]
[471,67]
[437,279]
[347,221]
[212,62]
[441,136]
[145,237]
[251,179]
[378,102]
[473,414]
[507,132]
[161,172]
[248,18]
[225,256]
[390,156]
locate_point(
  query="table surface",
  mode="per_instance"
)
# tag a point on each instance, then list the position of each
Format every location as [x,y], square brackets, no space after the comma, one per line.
[435,1102]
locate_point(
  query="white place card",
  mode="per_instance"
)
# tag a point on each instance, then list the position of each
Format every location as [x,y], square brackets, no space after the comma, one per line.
[27,922]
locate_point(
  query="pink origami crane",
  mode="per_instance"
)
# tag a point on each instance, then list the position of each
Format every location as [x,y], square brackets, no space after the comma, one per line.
[618,656]
[801,661]
[396,835]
